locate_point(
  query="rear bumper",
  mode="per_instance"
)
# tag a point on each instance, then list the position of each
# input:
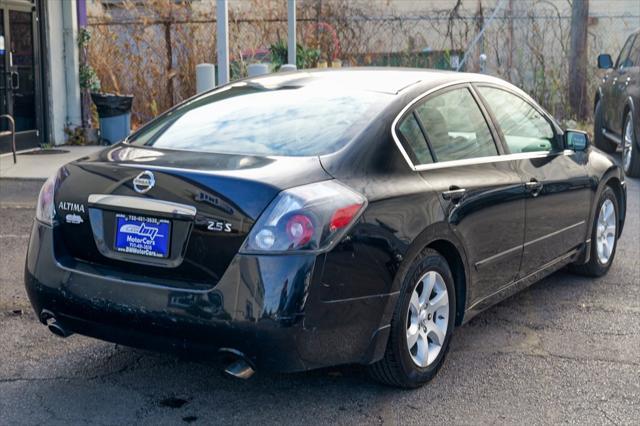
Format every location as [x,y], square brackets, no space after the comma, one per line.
[266,307]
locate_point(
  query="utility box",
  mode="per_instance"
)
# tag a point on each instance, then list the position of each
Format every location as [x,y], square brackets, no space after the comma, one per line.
[205,77]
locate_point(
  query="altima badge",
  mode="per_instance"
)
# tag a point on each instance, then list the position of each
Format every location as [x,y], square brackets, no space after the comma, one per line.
[144,182]
[70,207]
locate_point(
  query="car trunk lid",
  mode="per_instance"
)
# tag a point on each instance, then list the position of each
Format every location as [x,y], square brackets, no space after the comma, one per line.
[181,230]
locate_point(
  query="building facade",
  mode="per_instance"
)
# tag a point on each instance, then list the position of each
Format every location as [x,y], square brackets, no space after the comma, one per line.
[39,87]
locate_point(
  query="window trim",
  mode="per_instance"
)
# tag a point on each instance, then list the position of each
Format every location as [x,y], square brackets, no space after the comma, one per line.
[557,130]
[504,154]
[491,159]
[410,108]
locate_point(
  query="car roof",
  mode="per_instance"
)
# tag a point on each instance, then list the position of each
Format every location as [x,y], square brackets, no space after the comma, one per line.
[385,80]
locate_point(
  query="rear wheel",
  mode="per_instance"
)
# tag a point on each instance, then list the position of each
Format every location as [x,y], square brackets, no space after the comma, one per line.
[422,324]
[598,126]
[604,236]
[630,154]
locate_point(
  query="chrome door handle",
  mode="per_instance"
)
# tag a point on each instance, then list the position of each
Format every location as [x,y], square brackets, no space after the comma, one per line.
[534,187]
[454,194]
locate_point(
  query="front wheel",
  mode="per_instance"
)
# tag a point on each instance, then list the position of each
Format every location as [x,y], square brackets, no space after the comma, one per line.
[422,324]
[630,154]
[604,236]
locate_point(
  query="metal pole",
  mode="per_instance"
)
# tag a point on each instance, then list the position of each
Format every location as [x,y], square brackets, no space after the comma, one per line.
[291,32]
[222,40]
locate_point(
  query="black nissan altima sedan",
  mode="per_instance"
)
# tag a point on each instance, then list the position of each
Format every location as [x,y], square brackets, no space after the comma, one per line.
[308,219]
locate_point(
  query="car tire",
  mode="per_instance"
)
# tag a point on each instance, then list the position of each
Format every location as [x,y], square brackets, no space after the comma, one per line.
[418,320]
[598,126]
[630,151]
[602,236]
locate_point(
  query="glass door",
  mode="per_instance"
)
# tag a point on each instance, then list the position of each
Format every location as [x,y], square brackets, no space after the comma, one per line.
[19,71]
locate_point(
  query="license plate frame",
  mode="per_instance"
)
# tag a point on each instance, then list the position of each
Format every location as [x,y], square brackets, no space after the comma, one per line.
[143,236]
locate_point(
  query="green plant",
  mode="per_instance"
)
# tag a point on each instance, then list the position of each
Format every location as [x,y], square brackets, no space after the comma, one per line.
[305,58]
[88,78]
[87,75]
[75,135]
[84,36]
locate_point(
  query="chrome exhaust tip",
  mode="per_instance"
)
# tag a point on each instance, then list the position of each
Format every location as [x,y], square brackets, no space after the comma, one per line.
[241,368]
[47,317]
[56,328]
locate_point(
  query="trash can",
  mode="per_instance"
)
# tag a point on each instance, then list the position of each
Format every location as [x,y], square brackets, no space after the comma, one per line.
[114,112]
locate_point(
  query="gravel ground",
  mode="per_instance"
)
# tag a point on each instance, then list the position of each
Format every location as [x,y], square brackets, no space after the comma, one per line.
[564,350]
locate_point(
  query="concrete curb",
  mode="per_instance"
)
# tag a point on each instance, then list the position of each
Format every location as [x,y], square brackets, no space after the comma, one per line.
[12,178]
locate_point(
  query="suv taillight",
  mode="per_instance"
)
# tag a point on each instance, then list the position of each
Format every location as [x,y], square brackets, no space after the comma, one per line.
[311,217]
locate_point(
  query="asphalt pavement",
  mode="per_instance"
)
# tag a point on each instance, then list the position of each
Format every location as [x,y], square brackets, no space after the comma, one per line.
[565,350]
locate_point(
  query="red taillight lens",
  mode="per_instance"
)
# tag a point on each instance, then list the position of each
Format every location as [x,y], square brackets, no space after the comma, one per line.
[300,229]
[311,217]
[343,216]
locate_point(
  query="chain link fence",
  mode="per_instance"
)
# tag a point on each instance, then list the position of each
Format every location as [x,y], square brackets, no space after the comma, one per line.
[150,49]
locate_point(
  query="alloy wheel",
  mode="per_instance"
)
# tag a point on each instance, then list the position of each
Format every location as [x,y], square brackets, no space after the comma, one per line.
[606,231]
[627,148]
[427,319]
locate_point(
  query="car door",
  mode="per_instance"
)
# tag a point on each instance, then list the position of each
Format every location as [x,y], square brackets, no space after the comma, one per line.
[482,194]
[556,181]
[613,100]
[629,84]
[627,77]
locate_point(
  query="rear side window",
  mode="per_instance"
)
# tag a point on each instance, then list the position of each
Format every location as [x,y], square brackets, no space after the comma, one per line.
[414,139]
[253,120]
[455,126]
[634,54]
[523,127]
[624,59]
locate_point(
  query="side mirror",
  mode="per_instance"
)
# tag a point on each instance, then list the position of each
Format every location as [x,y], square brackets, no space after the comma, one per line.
[576,140]
[605,61]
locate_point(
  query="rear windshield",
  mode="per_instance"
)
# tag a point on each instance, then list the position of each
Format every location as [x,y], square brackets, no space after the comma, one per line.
[251,120]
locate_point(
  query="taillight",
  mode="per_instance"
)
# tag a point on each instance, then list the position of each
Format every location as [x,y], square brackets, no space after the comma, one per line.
[311,217]
[300,230]
[45,208]
[342,217]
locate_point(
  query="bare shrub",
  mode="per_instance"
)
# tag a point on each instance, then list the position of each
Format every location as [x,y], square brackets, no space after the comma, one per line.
[150,49]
